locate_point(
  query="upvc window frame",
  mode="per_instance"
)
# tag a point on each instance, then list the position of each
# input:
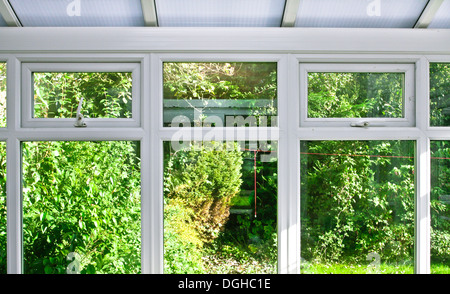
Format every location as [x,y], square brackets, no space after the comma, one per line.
[4,59]
[222,134]
[293,46]
[162,58]
[408,93]
[27,103]
[435,59]
[327,131]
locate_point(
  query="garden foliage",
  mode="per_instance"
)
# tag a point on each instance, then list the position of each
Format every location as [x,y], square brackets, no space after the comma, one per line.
[200,183]
[81,197]
[357,197]
[106,95]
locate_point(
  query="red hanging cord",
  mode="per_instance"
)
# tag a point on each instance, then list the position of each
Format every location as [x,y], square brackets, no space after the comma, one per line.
[255,177]
[255,151]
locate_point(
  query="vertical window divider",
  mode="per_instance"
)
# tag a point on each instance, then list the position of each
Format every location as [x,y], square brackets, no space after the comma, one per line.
[146,167]
[13,169]
[286,225]
[423,167]
[14,207]
[155,222]
[422,207]
[288,136]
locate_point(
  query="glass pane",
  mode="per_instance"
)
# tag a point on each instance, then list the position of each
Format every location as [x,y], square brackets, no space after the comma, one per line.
[440,207]
[439,94]
[220,94]
[105,95]
[2,22]
[220,208]
[359,14]
[3,208]
[441,20]
[2,94]
[357,207]
[220,13]
[354,95]
[79,13]
[81,207]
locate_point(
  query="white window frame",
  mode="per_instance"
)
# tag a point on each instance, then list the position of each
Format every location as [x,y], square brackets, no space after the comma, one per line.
[222,134]
[211,57]
[435,59]
[292,45]
[28,68]
[408,95]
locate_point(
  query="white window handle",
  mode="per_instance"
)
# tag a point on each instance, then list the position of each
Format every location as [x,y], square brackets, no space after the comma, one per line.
[80,118]
[360,124]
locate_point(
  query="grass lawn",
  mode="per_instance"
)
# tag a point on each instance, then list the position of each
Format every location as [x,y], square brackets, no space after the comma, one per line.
[341,268]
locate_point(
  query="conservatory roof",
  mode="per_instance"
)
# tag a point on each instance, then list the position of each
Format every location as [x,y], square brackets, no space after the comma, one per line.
[227,13]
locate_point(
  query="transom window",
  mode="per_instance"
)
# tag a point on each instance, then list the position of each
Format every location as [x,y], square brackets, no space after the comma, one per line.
[57,94]
[357,94]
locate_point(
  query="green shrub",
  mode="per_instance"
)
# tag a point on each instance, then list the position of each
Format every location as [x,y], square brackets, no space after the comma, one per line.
[199,184]
[182,245]
[81,197]
[205,179]
[354,205]
[3,208]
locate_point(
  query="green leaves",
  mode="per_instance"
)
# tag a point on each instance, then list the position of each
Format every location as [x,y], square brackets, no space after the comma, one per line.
[439,94]
[357,197]
[344,95]
[107,95]
[81,202]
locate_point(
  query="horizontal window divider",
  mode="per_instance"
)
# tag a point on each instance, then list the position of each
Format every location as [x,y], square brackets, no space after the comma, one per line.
[439,133]
[352,133]
[219,103]
[82,57]
[357,58]
[220,133]
[58,123]
[80,134]
[220,57]
[345,122]
[294,40]
[437,58]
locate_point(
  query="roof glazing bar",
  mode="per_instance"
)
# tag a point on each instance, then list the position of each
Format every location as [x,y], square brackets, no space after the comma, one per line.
[8,14]
[290,13]
[428,14]
[149,12]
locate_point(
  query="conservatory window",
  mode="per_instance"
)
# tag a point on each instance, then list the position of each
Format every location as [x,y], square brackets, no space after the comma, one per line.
[220,207]
[440,207]
[81,207]
[2,94]
[3,208]
[439,94]
[82,94]
[357,206]
[220,94]
[360,95]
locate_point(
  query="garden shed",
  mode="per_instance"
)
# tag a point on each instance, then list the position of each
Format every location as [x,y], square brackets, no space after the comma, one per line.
[224,136]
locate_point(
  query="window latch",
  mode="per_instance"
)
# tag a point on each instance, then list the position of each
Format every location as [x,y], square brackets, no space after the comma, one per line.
[80,118]
[363,124]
